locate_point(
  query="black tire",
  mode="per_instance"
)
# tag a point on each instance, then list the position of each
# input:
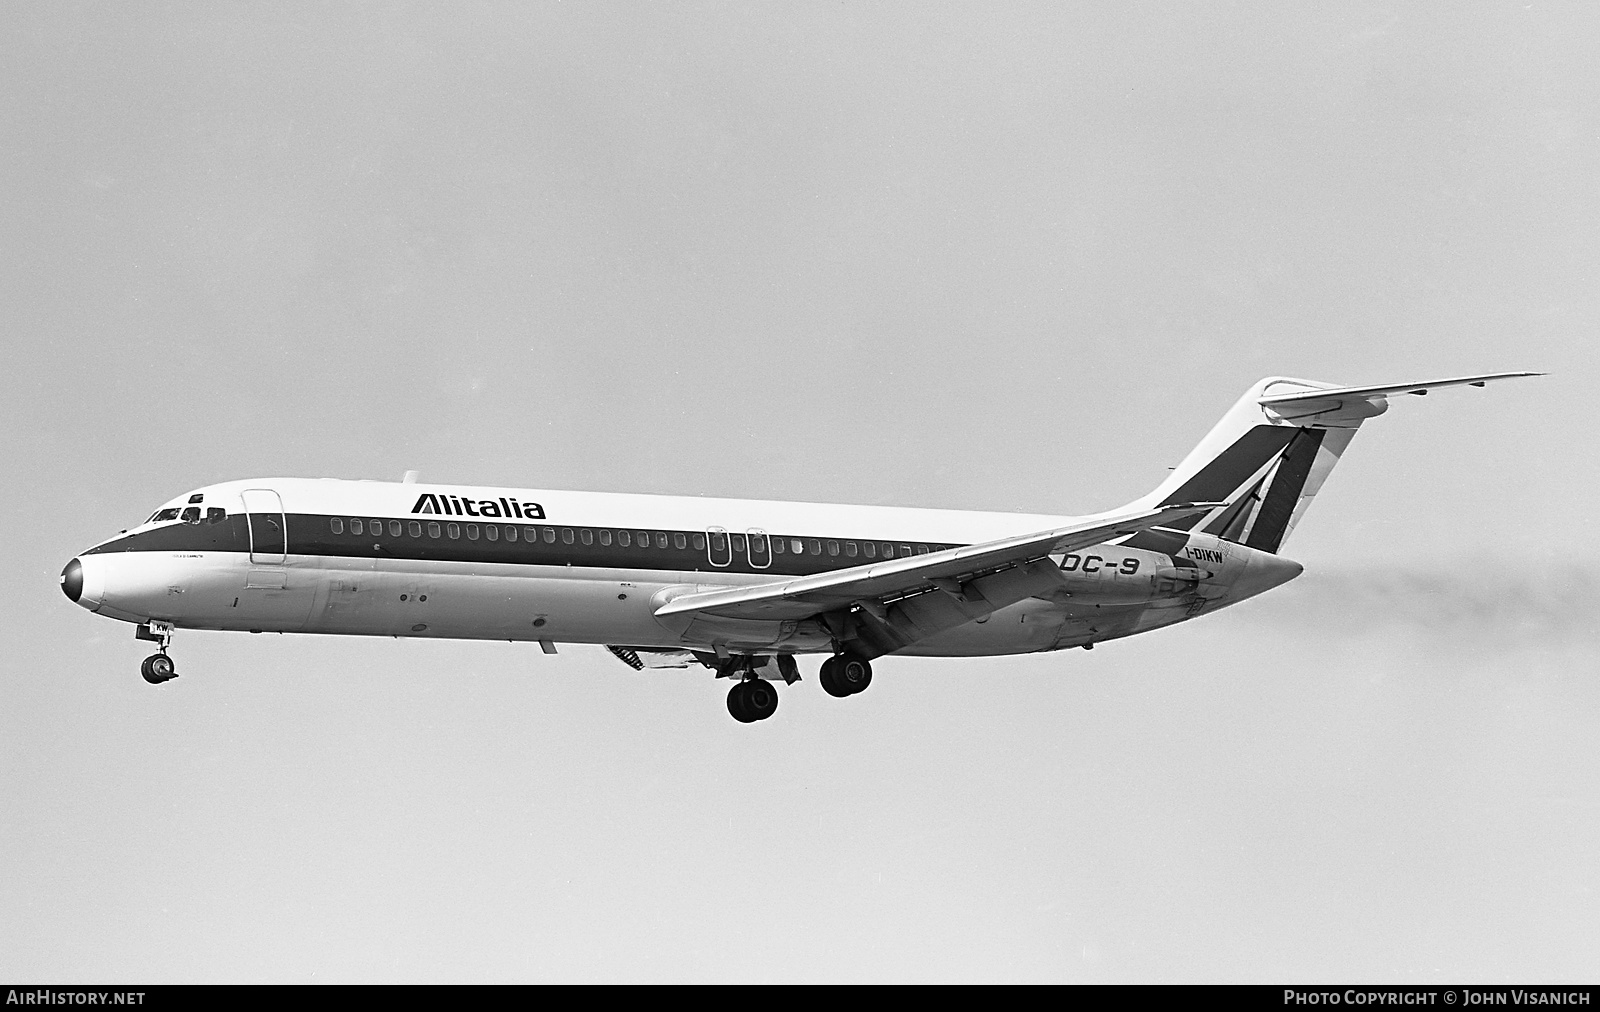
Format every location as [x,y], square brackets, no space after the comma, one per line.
[760,699]
[738,706]
[854,673]
[158,668]
[829,677]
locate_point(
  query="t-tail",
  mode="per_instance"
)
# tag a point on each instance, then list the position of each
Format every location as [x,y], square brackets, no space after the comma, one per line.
[1269,455]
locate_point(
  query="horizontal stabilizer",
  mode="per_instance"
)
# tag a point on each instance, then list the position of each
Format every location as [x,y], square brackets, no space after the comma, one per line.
[1339,407]
[806,596]
[1394,388]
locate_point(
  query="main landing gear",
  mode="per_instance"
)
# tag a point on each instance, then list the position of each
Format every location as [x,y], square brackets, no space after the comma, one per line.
[752,699]
[158,667]
[845,675]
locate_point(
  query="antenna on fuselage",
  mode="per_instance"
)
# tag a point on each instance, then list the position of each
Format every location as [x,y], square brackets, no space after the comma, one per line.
[410,477]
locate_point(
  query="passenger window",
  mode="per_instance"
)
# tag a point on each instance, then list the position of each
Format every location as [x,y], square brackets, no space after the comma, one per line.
[869,549]
[816,547]
[549,535]
[566,535]
[680,541]
[644,538]
[191,515]
[905,550]
[530,534]
[624,538]
[472,532]
[777,545]
[719,542]
[661,539]
[374,527]
[922,549]
[738,542]
[336,524]
[888,550]
[414,528]
[850,549]
[355,526]
[586,536]
[491,531]
[394,528]
[216,515]
[454,530]
[433,529]
[511,534]
[797,546]
[833,548]
[605,537]
[699,541]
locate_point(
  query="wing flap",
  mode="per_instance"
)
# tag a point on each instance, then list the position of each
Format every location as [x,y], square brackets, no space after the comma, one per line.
[805,596]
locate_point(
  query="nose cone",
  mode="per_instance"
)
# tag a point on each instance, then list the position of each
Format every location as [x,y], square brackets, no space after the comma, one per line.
[84,582]
[72,581]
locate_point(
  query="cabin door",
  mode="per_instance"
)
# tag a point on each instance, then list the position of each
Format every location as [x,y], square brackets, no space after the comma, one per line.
[268,532]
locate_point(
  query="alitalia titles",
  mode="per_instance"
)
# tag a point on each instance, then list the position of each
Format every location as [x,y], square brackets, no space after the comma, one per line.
[454,505]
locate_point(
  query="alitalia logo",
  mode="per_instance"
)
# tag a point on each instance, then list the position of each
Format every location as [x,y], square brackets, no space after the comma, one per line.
[453,505]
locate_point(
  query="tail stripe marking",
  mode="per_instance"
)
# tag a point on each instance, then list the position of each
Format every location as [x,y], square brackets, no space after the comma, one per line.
[1229,524]
[1221,478]
[1272,521]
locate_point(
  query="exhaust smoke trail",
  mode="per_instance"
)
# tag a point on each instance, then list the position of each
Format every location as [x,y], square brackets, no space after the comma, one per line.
[1492,601]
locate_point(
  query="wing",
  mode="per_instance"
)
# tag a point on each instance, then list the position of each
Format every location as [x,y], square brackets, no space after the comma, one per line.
[949,570]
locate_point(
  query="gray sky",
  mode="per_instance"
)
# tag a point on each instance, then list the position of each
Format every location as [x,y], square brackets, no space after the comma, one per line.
[966,256]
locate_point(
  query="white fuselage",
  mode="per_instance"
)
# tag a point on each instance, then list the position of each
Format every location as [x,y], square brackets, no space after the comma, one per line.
[389,559]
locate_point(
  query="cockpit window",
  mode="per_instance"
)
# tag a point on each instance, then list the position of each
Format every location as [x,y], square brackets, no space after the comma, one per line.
[159,516]
[191,515]
[216,514]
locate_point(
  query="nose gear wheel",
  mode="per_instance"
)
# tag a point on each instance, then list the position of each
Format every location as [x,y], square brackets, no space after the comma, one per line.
[158,668]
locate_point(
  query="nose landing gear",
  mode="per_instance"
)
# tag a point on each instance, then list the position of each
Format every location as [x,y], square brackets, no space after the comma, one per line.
[158,667]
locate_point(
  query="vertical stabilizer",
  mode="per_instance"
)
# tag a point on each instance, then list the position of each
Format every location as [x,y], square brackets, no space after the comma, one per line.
[1267,468]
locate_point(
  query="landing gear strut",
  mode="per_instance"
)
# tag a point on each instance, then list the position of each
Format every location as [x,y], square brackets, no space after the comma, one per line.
[752,700]
[845,675]
[158,667]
